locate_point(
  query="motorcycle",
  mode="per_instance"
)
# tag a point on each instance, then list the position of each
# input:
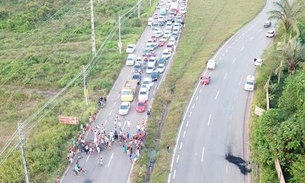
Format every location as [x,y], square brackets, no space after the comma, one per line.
[80,172]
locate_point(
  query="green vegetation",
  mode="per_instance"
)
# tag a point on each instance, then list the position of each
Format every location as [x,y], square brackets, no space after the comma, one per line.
[206,29]
[279,132]
[43,47]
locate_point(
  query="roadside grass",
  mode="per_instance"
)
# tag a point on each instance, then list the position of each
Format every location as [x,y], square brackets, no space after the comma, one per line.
[43,63]
[208,24]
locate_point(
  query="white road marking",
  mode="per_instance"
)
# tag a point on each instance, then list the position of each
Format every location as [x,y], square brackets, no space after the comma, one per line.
[202,155]
[260,30]
[220,58]
[197,97]
[124,124]
[226,169]
[200,91]
[193,105]
[239,82]
[233,60]
[114,104]
[119,96]
[174,175]
[190,114]
[110,112]
[251,38]
[209,120]
[187,123]
[226,50]
[242,49]
[225,76]
[87,158]
[217,94]
[111,157]
[243,34]
[233,43]
[184,134]
[177,159]
[181,145]
[223,54]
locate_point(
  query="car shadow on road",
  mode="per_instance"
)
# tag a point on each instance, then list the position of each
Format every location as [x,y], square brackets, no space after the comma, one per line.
[239,162]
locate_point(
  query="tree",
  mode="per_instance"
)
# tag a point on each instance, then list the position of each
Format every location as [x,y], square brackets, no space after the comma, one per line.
[285,13]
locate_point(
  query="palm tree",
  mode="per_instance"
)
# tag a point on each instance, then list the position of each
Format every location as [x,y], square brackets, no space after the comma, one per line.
[286,13]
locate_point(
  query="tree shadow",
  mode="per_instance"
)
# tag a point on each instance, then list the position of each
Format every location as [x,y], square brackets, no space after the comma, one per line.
[239,162]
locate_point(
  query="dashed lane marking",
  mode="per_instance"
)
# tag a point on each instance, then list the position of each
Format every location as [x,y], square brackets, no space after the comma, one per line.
[209,120]
[202,155]
[181,145]
[190,114]
[217,94]
[193,105]
[225,76]
[184,134]
[177,160]
[187,123]
[233,60]
[242,49]
[111,157]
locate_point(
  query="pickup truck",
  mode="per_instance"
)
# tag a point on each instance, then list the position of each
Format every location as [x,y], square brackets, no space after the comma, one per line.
[128,90]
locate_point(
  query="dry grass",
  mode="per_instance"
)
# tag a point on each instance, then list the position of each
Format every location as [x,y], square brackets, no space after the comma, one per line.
[208,24]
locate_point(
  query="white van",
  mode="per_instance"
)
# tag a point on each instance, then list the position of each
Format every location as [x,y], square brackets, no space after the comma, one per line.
[249,83]
[150,21]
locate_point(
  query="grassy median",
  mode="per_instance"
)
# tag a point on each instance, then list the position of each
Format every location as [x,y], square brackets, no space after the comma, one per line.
[208,24]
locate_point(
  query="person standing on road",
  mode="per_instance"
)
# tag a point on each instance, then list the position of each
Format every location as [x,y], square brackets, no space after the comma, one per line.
[128,124]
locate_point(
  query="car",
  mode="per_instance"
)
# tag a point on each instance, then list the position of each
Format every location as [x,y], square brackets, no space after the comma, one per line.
[161,61]
[149,21]
[211,64]
[161,22]
[166,54]
[153,46]
[137,77]
[143,94]
[146,83]
[130,59]
[148,55]
[270,34]
[149,42]
[163,12]
[205,80]
[168,23]
[141,106]
[139,60]
[183,10]
[170,18]
[154,38]
[175,35]
[158,33]
[267,24]
[258,62]
[161,68]
[167,34]
[171,42]
[137,67]
[249,83]
[131,48]
[124,108]
[150,69]
[154,76]
[161,43]
[154,24]
[160,18]
[155,16]
[152,61]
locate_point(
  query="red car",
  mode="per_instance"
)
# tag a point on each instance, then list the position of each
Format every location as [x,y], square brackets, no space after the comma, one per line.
[154,38]
[148,55]
[141,107]
[205,80]
[155,16]
[161,43]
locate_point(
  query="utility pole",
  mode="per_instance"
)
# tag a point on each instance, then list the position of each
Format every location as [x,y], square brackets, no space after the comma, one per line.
[120,39]
[92,29]
[139,10]
[21,139]
[150,3]
[85,85]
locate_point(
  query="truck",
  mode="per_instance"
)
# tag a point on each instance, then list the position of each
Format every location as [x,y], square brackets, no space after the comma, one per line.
[129,90]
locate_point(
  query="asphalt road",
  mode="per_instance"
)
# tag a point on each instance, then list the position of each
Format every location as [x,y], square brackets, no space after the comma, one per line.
[215,122]
[116,165]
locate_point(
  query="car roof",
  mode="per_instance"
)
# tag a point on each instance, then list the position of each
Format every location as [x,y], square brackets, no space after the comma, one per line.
[250,77]
[125,103]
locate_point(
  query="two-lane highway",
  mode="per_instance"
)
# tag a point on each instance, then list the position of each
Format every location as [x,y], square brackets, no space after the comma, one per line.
[215,122]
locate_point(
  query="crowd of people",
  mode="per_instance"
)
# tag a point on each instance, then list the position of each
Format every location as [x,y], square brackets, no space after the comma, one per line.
[130,140]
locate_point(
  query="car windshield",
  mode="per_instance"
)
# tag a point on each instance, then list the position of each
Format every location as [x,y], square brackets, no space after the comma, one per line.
[249,83]
[126,92]
[124,107]
[149,68]
[143,92]
[141,104]
[135,76]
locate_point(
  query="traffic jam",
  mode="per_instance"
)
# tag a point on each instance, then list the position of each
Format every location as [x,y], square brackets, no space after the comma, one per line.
[151,62]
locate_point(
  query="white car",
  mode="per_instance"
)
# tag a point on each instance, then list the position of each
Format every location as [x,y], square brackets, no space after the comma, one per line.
[211,64]
[161,68]
[249,83]
[158,34]
[124,108]
[143,94]
[146,82]
[270,34]
[131,48]
[171,42]
[258,62]
[130,59]
[167,34]
[149,42]
[151,61]
[139,59]
[150,69]
[166,54]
